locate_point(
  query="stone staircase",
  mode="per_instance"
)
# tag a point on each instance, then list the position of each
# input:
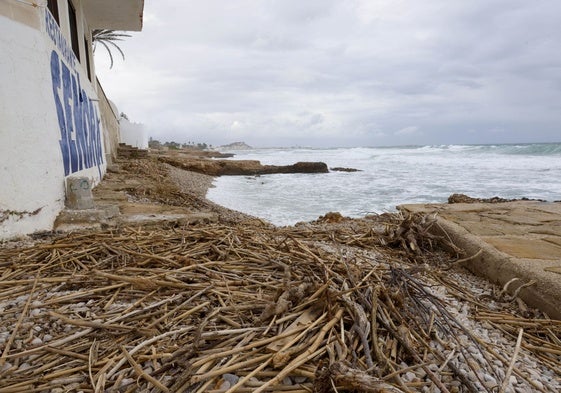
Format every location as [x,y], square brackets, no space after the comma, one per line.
[127,151]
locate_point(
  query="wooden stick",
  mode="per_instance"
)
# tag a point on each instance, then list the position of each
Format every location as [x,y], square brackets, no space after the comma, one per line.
[140,372]
[145,343]
[18,324]
[506,380]
[310,353]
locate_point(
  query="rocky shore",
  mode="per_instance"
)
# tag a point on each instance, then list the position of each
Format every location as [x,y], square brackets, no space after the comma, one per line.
[241,167]
[232,304]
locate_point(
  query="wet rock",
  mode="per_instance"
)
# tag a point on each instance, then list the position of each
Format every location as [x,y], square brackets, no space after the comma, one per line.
[242,167]
[341,169]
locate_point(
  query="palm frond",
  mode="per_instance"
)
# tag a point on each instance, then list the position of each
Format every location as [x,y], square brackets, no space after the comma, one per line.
[107,37]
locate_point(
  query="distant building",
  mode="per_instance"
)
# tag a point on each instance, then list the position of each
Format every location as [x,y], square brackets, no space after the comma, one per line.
[55,120]
[133,134]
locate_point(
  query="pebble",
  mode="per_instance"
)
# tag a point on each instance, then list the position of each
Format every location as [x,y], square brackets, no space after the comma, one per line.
[421,373]
[409,376]
[501,373]
[3,337]
[127,381]
[232,378]
[490,384]
[36,341]
[538,384]
[433,367]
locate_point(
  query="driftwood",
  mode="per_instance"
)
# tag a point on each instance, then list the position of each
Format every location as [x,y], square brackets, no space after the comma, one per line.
[225,308]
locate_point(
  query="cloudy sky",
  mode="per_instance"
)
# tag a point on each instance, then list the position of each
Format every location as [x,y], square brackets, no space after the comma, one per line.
[342,72]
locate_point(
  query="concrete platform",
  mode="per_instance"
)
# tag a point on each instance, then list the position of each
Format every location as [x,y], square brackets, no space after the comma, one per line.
[113,207]
[515,240]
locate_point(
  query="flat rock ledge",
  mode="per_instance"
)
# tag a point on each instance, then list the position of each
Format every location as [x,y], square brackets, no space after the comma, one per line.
[242,167]
[341,169]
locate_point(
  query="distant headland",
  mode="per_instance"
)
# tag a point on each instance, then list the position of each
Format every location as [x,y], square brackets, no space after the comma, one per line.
[235,146]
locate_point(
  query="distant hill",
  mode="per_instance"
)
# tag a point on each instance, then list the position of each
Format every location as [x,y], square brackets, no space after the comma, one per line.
[235,146]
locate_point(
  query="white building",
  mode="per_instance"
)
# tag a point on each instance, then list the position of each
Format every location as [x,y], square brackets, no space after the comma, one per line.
[133,134]
[55,120]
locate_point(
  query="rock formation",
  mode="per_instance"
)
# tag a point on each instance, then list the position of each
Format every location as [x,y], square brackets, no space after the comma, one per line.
[242,167]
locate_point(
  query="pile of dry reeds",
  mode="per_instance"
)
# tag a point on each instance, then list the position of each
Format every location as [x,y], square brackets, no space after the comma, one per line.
[233,309]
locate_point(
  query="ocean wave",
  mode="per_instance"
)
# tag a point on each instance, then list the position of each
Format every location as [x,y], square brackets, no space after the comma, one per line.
[536,149]
[533,149]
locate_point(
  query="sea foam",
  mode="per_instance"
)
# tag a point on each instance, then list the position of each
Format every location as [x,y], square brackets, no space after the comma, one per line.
[389,176]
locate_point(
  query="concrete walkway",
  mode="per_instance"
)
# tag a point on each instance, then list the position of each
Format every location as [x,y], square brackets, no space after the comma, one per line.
[112,207]
[513,241]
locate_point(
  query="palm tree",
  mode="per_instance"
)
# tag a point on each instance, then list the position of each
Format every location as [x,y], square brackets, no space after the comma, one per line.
[108,37]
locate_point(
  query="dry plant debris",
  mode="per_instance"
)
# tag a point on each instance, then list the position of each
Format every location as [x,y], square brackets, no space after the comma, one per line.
[225,308]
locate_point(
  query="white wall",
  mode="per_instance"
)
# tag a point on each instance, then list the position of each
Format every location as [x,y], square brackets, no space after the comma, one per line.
[49,121]
[134,134]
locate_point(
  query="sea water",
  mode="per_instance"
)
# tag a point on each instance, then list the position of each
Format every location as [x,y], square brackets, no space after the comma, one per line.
[389,176]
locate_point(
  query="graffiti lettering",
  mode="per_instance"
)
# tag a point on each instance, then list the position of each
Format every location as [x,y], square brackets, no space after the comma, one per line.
[80,141]
[58,39]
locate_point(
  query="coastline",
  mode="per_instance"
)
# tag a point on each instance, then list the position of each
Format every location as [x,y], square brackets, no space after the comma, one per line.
[200,283]
[198,184]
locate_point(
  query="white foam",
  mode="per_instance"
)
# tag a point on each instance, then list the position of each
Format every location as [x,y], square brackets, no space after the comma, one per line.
[390,176]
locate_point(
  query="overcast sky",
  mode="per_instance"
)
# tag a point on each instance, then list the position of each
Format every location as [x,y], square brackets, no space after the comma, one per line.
[342,72]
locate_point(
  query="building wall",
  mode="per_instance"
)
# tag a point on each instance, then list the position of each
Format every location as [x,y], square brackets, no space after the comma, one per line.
[50,124]
[134,134]
[111,128]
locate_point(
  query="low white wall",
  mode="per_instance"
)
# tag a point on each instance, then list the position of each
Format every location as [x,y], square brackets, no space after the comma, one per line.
[133,134]
[49,121]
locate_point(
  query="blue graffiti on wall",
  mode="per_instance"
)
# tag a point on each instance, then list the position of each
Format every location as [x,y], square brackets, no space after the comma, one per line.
[78,121]
[80,141]
[58,39]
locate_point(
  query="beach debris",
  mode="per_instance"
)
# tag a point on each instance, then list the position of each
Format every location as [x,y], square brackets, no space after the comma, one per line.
[234,308]
[331,217]
[412,233]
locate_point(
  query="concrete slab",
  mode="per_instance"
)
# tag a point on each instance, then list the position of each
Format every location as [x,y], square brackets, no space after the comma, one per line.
[70,220]
[112,206]
[515,240]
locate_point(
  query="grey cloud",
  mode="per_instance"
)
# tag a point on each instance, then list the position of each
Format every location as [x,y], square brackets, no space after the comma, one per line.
[344,72]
